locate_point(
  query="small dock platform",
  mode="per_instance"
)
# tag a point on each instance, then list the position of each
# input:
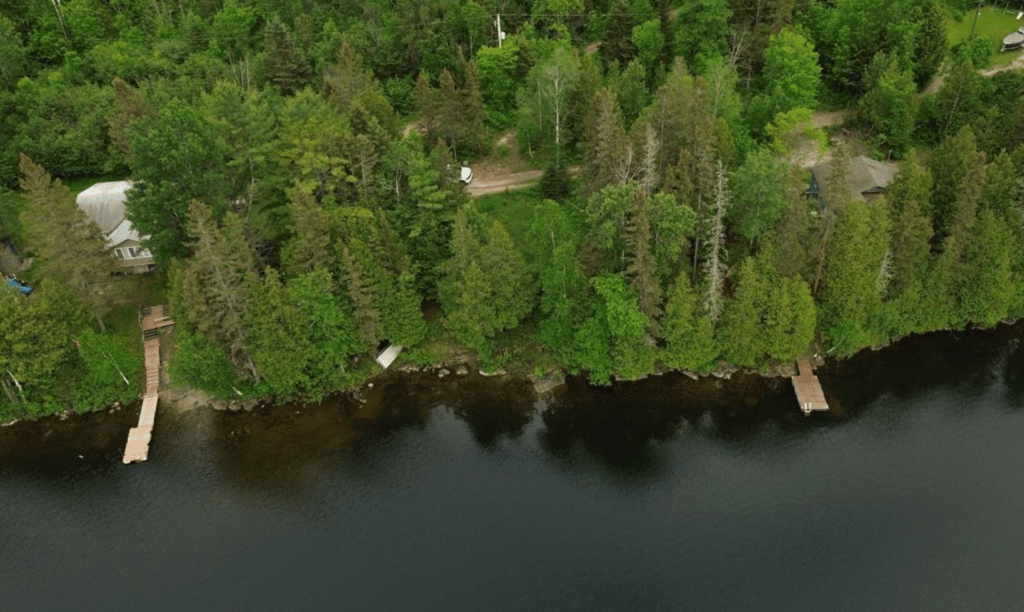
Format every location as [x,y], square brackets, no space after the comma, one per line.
[151,321]
[808,389]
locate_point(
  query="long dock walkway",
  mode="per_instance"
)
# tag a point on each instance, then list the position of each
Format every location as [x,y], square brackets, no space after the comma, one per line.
[808,389]
[137,447]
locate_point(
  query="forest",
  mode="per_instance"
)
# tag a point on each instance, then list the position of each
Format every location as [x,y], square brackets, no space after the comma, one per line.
[295,168]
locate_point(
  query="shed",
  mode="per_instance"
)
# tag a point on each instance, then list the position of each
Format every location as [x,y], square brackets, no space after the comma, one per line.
[866,178]
[104,203]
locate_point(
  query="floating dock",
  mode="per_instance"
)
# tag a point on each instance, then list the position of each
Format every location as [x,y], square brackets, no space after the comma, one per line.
[808,389]
[137,446]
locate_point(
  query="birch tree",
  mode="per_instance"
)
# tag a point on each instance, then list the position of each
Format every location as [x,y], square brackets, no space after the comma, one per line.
[714,265]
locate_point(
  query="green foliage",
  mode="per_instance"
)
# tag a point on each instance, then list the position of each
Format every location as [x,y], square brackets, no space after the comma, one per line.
[855,275]
[36,336]
[497,68]
[768,316]
[176,160]
[556,183]
[649,42]
[112,372]
[974,49]
[792,127]
[849,33]
[890,104]
[477,304]
[274,336]
[986,288]
[200,364]
[759,194]
[613,341]
[544,102]
[688,332]
[702,31]
[792,74]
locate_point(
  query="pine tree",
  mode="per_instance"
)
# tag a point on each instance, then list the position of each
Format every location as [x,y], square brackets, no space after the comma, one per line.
[71,248]
[284,64]
[331,335]
[790,318]
[211,286]
[605,151]
[428,104]
[987,288]
[689,334]
[310,245]
[472,111]
[450,119]
[362,291]
[641,269]
[276,338]
[511,285]
[850,296]
[740,331]
[910,246]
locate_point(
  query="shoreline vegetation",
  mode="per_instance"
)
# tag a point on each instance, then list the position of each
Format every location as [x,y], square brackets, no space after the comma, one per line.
[296,177]
[459,366]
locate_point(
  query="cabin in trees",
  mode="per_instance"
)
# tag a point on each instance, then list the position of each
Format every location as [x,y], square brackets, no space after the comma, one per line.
[865,178]
[104,203]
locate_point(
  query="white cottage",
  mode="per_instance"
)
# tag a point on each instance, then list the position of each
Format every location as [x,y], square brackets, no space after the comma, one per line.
[105,205]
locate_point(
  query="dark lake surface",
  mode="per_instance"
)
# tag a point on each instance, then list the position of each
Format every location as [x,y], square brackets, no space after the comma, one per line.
[467,494]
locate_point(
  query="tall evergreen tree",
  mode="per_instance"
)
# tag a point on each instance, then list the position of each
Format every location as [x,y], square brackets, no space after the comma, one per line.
[688,332]
[71,248]
[987,286]
[276,337]
[641,269]
[211,286]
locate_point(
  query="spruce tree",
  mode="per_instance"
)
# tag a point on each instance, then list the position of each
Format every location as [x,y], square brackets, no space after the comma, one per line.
[641,269]
[71,248]
[211,286]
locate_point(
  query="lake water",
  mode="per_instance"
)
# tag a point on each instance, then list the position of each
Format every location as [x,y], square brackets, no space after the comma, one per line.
[465,494]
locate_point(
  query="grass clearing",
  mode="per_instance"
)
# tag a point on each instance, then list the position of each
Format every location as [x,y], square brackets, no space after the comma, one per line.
[993,24]
[80,183]
[515,210]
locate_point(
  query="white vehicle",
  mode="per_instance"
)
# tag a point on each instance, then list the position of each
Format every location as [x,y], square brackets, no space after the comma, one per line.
[466,175]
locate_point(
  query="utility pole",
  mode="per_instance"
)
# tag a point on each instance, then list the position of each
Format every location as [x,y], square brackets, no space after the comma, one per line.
[500,34]
[975,24]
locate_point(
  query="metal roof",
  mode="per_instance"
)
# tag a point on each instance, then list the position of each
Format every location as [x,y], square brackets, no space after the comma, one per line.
[104,203]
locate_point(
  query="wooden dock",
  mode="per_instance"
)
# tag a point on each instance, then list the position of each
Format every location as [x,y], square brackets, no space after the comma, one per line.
[808,389]
[137,448]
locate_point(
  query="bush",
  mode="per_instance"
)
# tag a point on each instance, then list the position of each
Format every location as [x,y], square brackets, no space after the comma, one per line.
[978,49]
[556,183]
[112,372]
[201,365]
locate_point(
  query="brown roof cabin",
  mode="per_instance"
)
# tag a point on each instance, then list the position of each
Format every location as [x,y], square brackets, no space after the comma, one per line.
[866,178]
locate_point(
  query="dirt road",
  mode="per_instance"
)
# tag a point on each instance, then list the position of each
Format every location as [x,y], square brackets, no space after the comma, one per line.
[486,182]
[497,183]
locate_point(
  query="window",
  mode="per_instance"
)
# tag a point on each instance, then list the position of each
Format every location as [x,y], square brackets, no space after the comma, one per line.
[132,253]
